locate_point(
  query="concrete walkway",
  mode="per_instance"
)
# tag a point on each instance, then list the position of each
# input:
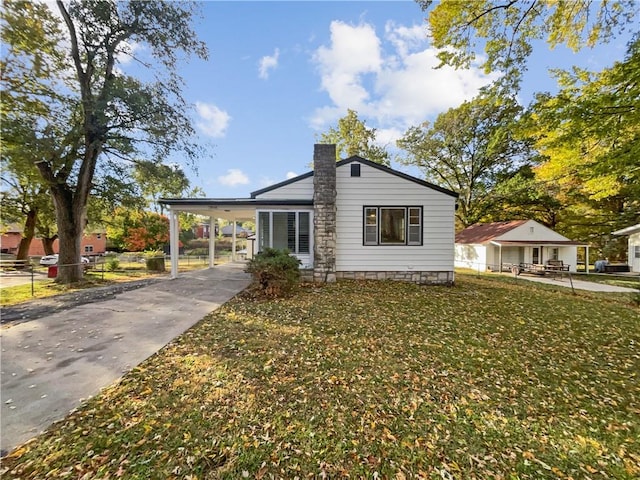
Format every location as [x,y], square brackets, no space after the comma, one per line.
[577,284]
[49,365]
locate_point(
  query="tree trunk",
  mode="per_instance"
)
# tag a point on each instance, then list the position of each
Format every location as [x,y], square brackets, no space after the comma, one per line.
[47,244]
[70,221]
[27,235]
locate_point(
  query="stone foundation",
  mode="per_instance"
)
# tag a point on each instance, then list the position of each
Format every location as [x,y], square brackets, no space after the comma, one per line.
[423,278]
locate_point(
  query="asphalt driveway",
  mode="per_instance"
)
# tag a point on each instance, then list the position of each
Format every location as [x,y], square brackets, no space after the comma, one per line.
[51,363]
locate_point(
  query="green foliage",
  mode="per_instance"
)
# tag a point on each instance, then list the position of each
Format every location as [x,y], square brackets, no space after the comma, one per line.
[158,180]
[352,137]
[275,272]
[507,29]
[485,380]
[112,264]
[81,113]
[468,149]
[589,134]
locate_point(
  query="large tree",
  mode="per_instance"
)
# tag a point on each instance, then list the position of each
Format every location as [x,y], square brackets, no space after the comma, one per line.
[506,29]
[92,114]
[590,135]
[353,137]
[468,149]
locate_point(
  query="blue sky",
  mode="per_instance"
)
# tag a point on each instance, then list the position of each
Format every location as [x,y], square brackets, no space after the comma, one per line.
[281,73]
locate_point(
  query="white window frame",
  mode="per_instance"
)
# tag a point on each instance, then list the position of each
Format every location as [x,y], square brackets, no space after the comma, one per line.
[88,249]
[367,241]
[269,244]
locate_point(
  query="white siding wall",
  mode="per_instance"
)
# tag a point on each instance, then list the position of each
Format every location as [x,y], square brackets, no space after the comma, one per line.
[531,230]
[569,256]
[299,190]
[471,256]
[378,188]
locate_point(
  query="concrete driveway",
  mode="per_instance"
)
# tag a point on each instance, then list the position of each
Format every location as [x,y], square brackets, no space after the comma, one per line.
[49,365]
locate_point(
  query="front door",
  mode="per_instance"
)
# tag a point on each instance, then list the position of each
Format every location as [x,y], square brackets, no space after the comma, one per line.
[536,255]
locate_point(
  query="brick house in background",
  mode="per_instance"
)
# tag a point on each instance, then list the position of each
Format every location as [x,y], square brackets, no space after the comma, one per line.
[92,243]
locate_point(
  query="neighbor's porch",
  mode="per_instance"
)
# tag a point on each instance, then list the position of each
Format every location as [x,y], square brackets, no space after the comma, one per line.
[503,255]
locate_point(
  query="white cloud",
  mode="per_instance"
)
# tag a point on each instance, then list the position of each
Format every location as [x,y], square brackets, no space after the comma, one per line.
[268,63]
[233,177]
[127,51]
[390,81]
[213,121]
[291,175]
[354,52]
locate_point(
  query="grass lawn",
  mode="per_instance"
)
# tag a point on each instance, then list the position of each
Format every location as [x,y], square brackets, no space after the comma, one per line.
[372,380]
[96,277]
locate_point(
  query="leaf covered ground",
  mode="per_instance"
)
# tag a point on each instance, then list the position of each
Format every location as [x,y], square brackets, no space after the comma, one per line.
[372,380]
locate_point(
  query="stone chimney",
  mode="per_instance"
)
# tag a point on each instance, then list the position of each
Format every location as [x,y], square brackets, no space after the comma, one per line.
[324,213]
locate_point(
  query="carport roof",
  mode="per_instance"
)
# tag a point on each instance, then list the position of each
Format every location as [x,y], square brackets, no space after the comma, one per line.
[547,243]
[229,208]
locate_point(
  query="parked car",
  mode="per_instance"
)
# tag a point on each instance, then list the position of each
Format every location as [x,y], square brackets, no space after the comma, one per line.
[53,260]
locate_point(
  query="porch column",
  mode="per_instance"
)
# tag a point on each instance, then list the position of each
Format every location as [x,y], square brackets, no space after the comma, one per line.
[586,259]
[500,257]
[212,241]
[174,246]
[233,241]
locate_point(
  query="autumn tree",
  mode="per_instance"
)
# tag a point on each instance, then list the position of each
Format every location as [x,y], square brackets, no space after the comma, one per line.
[92,114]
[353,137]
[507,28]
[590,135]
[467,150]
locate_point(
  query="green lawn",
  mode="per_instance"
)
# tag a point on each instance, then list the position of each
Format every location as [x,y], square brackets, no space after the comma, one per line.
[487,379]
[611,279]
[95,277]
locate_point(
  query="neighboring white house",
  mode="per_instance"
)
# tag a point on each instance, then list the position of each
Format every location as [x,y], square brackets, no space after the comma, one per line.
[347,219]
[634,246]
[499,245]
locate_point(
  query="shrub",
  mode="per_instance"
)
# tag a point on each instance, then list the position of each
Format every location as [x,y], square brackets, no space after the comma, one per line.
[275,273]
[113,264]
[155,261]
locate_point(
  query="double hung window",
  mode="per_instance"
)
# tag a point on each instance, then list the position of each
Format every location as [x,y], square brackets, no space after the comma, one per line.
[285,229]
[392,226]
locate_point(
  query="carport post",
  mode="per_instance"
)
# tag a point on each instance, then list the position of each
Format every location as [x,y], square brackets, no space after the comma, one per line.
[212,241]
[173,241]
[233,240]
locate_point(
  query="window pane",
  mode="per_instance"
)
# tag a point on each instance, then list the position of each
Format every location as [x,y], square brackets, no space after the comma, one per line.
[392,225]
[414,216]
[280,230]
[371,235]
[264,229]
[291,231]
[371,226]
[371,216]
[415,226]
[414,234]
[303,225]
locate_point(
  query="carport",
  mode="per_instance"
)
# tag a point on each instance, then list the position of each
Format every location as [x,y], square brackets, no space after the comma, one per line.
[230,209]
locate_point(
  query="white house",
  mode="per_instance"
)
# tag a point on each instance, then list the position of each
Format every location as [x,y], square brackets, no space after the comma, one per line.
[634,246]
[499,245]
[347,219]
